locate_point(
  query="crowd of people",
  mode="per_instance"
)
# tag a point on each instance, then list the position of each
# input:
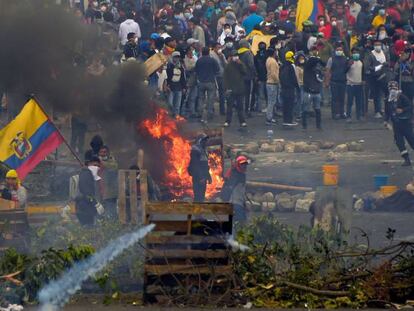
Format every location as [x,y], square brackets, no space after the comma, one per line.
[344,59]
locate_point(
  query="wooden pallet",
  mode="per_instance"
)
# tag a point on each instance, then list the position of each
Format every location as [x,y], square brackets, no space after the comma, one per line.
[186,253]
[129,207]
[14,229]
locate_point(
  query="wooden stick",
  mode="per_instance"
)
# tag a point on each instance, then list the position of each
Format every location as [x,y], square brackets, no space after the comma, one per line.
[317,291]
[257,184]
[10,277]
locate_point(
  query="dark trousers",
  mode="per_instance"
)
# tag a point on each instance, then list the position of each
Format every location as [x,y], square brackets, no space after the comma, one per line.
[288,101]
[403,130]
[236,102]
[199,190]
[221,95]
[378,88]
[407,89]
[338,98]
[355,92]
[248,96]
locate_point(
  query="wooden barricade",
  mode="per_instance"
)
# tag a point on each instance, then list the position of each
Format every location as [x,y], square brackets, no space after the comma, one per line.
[128,197]
[13,229]
[186,253]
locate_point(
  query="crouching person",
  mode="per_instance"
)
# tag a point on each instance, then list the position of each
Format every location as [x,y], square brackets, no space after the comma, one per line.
[234,188]
[90,189]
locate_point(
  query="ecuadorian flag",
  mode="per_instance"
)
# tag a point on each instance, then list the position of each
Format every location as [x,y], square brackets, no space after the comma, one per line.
[308,10]
[28,139]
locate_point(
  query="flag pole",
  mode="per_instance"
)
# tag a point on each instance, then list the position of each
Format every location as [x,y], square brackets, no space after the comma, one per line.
[32,96]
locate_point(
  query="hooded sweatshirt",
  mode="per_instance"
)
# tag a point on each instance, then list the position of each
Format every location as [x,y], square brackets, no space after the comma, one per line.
[126,27]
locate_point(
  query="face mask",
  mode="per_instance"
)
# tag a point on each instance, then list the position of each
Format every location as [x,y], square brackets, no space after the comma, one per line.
[229,45]
[355,56]
[278,46]
[280,8]
[339,53]
[198,7]
[227,31]
[334,23]
[381,12]
[235,58]
[104,158]
[136,40]
[187,15]
[377,48]
[301,61]
[322,23]
[349,32]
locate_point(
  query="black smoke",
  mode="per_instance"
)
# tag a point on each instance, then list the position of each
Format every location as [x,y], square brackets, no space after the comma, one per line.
[45,50]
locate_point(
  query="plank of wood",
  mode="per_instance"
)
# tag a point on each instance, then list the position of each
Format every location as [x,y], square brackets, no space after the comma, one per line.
[133,200]
[143,184]
[184,239]
[176,226]
[186,253]
[121,197]
[180,208]
[189,269]
[49,209]
[256,184]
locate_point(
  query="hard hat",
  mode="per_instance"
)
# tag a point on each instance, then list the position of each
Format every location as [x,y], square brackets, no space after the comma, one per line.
[242,160]
[12,174]
[289,56]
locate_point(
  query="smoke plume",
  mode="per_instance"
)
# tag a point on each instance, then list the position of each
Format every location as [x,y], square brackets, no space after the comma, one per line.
[57,293]
[46,50]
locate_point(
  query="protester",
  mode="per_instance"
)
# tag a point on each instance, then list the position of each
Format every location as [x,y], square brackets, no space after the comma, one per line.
[399,110]
[354,78]
[288,86]
[235,89]
[199,168]
[217,53]
[13,190]
[272,85]
[206,70]
[234,188]
[131,47]
[128,26]
[247,58]
[176,82]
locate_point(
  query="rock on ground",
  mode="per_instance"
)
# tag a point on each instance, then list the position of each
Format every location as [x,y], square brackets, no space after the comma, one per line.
[341,148]
[355,146]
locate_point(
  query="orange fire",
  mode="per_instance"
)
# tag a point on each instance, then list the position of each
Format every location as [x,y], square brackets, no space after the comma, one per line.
[176,177]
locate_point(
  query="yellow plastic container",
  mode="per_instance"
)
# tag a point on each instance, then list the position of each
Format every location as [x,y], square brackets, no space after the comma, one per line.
[388,190]
[330,175]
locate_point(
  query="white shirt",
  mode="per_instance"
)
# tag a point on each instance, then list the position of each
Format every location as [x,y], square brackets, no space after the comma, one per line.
[126,27]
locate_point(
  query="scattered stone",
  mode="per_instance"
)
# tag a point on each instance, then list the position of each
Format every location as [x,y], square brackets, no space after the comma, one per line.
[309,195]
[290,147]
[268,197]
[268,148]
[341,148]
[326,145]
[252,148]
[354,146]
[331,156]
[301,147]
[313,148]
[303,205]
[258,197]
[284,202]
[268,206]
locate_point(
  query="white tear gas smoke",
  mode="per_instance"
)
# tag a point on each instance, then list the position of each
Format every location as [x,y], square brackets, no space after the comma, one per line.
[236,246]
[58,292]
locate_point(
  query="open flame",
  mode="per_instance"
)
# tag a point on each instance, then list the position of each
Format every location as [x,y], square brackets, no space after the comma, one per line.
[176,178]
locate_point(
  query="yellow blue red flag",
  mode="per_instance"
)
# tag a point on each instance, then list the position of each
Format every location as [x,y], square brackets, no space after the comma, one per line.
[308,10]
[28,139]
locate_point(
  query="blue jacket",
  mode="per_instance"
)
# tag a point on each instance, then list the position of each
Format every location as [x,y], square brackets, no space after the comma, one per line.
[251,21]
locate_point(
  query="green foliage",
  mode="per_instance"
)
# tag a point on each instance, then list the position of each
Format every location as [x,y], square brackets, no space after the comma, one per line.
[311,268]
[36,271]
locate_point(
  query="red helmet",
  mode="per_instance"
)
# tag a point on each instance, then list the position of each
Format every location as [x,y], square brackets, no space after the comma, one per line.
[240,160]
[253,7]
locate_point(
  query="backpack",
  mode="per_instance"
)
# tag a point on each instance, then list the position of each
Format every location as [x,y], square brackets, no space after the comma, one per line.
[74,192]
